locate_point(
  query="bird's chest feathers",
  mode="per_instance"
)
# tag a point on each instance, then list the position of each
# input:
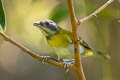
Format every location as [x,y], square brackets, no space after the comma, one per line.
[59,40]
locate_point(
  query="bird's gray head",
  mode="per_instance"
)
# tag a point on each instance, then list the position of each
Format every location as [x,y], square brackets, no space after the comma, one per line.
[48,27]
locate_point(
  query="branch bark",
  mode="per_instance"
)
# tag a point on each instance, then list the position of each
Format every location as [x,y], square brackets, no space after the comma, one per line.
[34,55]
[78,63]
[95,12]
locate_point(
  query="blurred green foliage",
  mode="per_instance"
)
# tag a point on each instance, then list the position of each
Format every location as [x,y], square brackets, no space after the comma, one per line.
[59,13]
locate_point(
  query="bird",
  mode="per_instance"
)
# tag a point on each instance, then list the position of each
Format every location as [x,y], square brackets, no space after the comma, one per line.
[61,41]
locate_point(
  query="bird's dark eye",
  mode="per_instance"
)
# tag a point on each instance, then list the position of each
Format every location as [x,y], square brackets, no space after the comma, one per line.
[51,22]
[47,23]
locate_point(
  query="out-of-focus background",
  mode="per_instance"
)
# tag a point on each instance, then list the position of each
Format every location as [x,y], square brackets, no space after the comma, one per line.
[101,33]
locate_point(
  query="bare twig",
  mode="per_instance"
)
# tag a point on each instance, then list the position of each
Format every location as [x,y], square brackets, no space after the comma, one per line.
[78,63]
[96,12]
[34,55]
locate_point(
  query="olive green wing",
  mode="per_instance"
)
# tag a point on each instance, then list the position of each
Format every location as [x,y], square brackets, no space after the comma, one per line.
[83,43]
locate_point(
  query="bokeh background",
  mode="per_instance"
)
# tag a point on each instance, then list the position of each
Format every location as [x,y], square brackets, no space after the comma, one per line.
[101,33]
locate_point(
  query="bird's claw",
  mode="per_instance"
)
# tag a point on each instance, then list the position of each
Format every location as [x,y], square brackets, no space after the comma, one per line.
[45,58]
[66,63]
[66,66]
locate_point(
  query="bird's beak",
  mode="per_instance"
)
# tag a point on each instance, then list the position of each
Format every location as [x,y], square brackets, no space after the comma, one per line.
[37,24]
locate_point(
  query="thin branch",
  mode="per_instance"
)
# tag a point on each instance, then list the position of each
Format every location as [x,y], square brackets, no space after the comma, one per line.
[78,63]
[33,54]
[96,12]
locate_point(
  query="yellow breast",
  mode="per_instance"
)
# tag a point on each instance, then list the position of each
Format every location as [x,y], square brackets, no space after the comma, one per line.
[61,39]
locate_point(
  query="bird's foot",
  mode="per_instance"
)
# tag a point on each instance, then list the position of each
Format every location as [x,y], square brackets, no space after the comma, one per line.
[45,58]
[66,63]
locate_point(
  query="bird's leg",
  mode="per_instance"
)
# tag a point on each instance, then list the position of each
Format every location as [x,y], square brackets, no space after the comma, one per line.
[66,62]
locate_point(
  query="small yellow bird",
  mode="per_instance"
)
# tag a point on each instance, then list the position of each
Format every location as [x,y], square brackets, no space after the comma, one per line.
[61,41]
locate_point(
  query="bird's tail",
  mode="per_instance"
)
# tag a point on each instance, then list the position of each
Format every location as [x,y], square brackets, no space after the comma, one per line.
[106,56]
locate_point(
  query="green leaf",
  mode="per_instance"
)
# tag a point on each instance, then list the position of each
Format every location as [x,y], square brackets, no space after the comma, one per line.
[2,17]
